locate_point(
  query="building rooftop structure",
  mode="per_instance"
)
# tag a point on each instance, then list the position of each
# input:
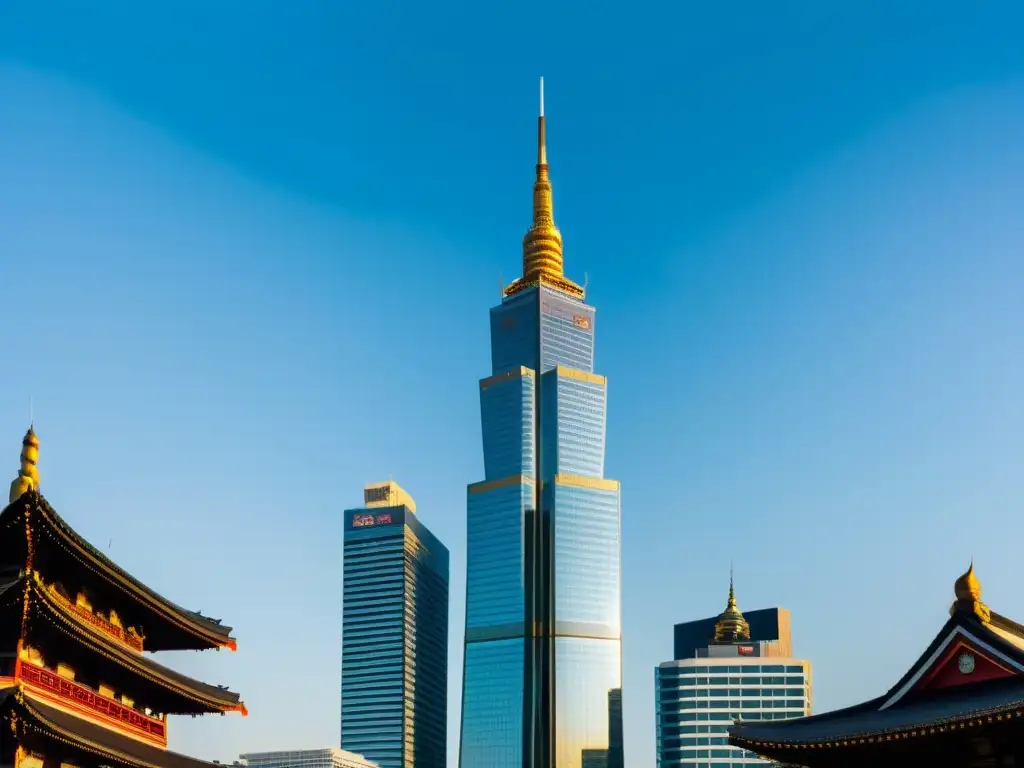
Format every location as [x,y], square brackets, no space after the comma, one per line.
[330,757]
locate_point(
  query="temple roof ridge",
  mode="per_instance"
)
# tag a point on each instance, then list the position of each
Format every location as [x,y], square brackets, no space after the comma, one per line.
[972,672]
[208,633]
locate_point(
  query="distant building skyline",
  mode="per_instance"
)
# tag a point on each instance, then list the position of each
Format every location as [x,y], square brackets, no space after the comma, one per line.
[741,672]
[394,657]
[330,757]
[543,635]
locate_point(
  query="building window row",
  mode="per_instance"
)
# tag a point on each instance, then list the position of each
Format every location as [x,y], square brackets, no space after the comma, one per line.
[738,669]
[704,693]
[741,703]
[730,717]
[685,680]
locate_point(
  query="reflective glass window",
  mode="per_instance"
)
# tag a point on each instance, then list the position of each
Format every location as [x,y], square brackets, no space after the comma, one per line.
[492,705]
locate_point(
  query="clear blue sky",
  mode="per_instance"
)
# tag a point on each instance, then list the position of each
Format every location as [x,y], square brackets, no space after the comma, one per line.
[249,249]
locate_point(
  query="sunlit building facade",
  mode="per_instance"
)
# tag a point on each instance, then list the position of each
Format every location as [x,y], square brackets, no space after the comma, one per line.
[542,674]
[394,658]
[306,758]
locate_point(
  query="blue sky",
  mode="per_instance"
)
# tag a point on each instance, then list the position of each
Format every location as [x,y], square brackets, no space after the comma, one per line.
[249,250]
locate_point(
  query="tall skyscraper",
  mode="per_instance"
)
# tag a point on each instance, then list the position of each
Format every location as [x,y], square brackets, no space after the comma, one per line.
[742,672]
[394,659]
[543,630]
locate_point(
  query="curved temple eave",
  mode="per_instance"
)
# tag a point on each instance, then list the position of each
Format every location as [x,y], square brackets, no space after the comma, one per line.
[140,664]
[189,622]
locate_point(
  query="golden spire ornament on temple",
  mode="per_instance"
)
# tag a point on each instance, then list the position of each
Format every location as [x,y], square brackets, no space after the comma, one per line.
[731,627]
[967,590]
[542,245]
[28,475]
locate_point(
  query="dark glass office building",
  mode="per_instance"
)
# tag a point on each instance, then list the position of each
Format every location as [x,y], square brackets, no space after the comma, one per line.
[394,659]
[542,674]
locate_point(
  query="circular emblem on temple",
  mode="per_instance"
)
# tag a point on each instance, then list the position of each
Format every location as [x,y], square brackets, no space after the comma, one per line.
[966,663]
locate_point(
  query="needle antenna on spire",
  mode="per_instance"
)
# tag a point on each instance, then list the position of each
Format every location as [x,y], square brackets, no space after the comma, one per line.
[542,97]
[31,411]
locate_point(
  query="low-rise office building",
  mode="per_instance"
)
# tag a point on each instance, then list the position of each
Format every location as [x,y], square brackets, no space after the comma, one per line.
[735,676]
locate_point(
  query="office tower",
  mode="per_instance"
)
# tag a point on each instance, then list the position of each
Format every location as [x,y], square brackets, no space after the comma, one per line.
[737,675]
[306,758]
[543,635]
[615,754]
[394,659]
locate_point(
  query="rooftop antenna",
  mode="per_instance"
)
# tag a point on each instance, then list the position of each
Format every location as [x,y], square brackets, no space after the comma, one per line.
[586,281]
[501,285]
[542,97]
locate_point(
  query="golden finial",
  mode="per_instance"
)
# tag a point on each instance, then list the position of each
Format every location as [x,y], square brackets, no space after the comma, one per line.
[967,589]
[731,627]
[542,245]
[28,475]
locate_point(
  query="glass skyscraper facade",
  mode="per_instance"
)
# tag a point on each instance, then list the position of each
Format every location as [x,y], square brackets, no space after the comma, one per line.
[394,660]
[542,674]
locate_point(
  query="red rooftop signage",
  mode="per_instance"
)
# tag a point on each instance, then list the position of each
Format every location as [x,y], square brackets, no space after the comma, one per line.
[363,521]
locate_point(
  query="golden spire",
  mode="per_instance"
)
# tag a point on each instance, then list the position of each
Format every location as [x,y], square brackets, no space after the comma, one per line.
[28,475]
[542,245]
[731,627]
[968,595]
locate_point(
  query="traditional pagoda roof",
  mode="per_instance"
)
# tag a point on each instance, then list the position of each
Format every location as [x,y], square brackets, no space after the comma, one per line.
[187,630]
[40,726]
[200,696]
[971,674]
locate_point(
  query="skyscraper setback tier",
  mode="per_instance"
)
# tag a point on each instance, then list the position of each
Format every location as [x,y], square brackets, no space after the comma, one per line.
[394,660]
[542,674]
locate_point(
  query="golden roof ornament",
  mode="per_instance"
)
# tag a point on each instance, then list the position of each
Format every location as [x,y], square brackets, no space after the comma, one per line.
[967,590]
[731,627]
[28,475]
[542,245]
